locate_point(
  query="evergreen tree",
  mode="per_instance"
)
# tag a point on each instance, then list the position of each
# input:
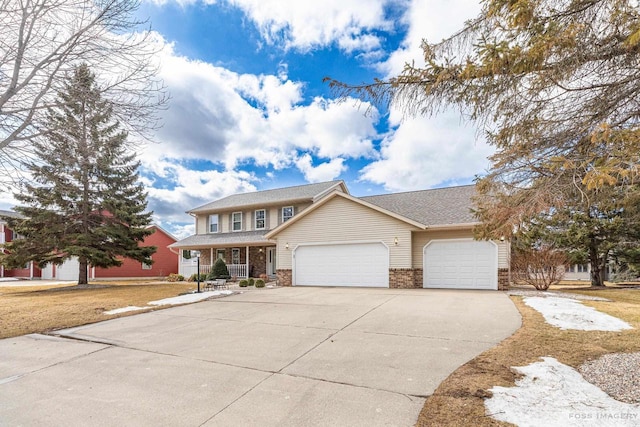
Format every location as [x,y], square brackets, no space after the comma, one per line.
[84,200]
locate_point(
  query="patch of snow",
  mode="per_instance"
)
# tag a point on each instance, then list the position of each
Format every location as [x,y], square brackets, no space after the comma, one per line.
[124,309]
[554,394]
[570,314]
[183,299]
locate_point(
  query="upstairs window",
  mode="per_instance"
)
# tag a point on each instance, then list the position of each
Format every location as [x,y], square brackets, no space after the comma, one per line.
[236,221]
[213,223]
[260,219]
[287,213]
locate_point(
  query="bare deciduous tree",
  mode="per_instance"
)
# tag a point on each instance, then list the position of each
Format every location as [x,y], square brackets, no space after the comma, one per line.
[538,267]
[41,41]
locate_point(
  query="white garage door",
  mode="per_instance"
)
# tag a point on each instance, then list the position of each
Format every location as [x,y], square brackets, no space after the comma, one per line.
[461,264]
[361,264]
[68,270]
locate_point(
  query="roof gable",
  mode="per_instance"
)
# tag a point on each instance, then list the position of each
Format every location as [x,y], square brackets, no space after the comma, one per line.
[331,196]
[275,196]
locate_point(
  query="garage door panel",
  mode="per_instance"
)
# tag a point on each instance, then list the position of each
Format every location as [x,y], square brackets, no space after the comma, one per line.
[464,264]
[363,264]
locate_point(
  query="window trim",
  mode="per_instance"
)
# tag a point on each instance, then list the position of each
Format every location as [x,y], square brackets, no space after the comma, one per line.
[233,221]
[264,219]
[217,223]
[223,252]
[146,266]
[292,213]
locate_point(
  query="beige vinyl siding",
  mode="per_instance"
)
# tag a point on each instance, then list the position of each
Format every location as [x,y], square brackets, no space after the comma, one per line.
[272,218]
[420,240]
[341,221]
[202,224]
[504,252]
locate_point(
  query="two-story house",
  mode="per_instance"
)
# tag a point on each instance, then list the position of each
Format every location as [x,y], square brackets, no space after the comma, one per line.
[319,234]
[233,228]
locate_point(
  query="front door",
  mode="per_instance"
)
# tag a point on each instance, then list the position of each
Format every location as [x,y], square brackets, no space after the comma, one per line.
[271,261]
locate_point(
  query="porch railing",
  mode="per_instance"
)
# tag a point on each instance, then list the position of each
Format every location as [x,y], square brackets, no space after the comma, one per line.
[235,270]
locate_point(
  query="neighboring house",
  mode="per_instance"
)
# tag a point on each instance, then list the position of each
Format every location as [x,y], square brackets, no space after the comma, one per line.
[319,234]
[165,263]
[30,270]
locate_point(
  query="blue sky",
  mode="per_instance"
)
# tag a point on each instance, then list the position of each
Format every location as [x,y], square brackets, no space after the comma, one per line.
[249,110]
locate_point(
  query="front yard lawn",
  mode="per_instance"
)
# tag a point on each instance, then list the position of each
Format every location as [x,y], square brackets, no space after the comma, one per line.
[31,309]
[459,400]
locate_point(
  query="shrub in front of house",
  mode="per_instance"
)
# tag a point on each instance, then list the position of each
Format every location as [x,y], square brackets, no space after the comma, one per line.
[259,283]
[219,270]
[251,281]
[243,283]
[194,277]
[174,277]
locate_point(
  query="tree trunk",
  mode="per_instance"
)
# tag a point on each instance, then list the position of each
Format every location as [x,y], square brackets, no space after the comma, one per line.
[83,276]
[594,260]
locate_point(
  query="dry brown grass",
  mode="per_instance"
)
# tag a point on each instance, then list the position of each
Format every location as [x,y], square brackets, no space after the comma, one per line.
[29,309]
[459,400]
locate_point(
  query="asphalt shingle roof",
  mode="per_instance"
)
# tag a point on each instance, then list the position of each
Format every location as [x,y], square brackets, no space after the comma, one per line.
[267,197]
[10,214]
[215,239]
[440,206]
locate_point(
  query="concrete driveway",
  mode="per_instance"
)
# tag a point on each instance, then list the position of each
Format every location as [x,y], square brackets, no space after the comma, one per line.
[273,357]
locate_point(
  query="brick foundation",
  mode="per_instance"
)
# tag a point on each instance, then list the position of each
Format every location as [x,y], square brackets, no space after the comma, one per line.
[402,278]
[285,277]
[503,279]
[418,278]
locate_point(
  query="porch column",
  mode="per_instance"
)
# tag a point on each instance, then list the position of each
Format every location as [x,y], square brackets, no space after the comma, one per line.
[246,259]
[211,260]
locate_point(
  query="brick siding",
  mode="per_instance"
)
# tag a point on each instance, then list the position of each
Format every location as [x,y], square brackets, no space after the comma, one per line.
[503,279]
[402,278]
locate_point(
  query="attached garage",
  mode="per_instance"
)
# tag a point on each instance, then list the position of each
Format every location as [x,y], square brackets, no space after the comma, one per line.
[461,264]
[349,264]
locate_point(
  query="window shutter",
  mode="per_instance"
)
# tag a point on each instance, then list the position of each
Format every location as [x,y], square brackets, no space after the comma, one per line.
[231,222]
[279,216]
[266,219]
[253,220]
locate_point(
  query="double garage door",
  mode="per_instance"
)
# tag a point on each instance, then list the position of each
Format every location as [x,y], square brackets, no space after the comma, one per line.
[461,264]
[353,264]
[454,264]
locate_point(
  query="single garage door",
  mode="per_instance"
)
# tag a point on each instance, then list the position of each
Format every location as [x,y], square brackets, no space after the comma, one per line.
[461,264]
[361,264]
[68,270]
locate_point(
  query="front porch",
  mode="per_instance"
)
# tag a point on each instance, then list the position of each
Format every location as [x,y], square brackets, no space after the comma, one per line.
[242,262]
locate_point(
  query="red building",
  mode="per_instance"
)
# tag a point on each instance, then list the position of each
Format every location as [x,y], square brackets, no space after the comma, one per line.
[29,271]
[165,260]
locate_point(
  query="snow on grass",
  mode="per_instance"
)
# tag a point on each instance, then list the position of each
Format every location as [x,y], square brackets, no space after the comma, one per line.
[181,299]
[554,394]
[187,298]
[570,314]
[124,309]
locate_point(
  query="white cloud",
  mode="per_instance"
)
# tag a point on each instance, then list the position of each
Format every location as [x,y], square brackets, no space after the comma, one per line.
[326,171]
[304,25]
[424,153]
[432,20]
[173,188]
[230,118]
